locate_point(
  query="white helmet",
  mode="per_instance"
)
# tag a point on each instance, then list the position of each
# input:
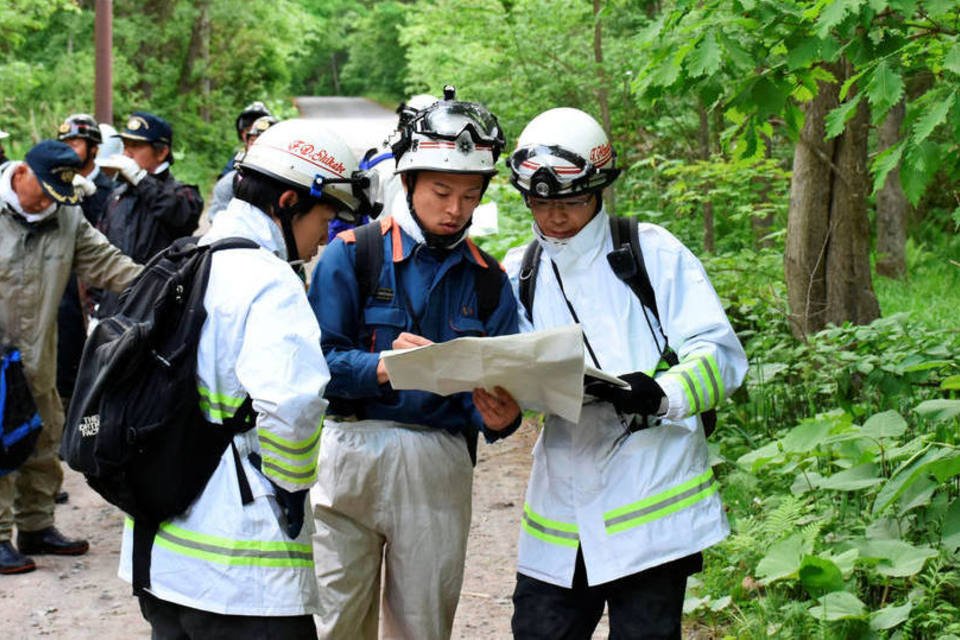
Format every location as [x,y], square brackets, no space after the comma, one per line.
[407,110]
[562,152]
[450,136]
[306,155]
[111,146]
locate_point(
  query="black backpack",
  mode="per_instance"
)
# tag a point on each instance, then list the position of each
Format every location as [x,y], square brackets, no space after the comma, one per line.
[626,261]
[20,423]
[135,428]
[369,264]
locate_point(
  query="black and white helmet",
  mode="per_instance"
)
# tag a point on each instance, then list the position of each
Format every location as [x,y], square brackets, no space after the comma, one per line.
[450,136]
[562,152]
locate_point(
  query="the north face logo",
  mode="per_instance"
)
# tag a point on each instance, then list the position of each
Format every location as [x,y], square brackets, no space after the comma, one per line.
[90,425]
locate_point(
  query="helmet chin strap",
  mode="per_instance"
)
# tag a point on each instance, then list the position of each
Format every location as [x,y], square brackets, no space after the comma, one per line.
[285,214]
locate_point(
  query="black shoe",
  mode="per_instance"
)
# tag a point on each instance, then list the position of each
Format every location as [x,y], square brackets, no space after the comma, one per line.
[12,561]
[50,541]
[61,497]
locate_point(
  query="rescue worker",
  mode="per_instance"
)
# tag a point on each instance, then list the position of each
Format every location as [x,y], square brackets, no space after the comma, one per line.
[224,187]
[245,119]
[381,159]
[82,134]
[396,467]
[44,237]
[150,208]
[255,576]
[620,505]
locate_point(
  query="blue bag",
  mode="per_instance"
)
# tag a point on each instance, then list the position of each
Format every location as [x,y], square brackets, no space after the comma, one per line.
[19,421]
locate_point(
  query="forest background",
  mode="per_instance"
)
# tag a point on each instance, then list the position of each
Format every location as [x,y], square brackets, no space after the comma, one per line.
[805,150]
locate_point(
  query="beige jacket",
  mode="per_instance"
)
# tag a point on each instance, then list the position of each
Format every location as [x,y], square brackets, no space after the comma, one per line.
[36,261]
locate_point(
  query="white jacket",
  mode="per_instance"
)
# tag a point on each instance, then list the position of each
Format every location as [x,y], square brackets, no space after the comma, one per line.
[634,502]
[260,338]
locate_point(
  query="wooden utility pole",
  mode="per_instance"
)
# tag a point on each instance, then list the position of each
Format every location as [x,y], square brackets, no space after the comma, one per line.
[103,44]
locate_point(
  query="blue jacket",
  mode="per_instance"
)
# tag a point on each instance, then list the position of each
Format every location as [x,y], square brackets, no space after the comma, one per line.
[433,296]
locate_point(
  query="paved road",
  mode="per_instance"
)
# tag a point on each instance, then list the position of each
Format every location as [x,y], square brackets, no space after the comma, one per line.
[360,122]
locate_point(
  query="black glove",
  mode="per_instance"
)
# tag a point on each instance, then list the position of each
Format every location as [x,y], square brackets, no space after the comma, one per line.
[643,397]
[291,503]
[292,506]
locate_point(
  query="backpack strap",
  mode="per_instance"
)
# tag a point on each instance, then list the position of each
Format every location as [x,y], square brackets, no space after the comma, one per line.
[487,281]
[369,258]
[528,277]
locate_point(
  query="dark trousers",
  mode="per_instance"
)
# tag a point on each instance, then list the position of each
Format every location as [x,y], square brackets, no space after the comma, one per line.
[643,606]
[175,622]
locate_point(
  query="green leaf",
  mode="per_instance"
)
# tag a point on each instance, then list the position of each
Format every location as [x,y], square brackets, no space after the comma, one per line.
[782,560]
[834,14]
[838,605]
[941,410]
[895,558]
[807,435]
[768,97]
[906,476]
[884,89]
[889,617]
[756,459]
[951,383]
[853,479]
[951,62]
[885,162]
[904,7]
[705,58]
[950,531]
[819,576]
[845,561]
[918,168]
[933,115]
[803,53]
[927,365]
[837,119]
[888,424]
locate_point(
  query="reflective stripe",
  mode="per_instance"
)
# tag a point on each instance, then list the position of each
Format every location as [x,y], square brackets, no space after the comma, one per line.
[662,504]
[289,449]
[701,382]
[290,461]
[289,473]
[552,531]
[693,392]
[218,406]
[259,553]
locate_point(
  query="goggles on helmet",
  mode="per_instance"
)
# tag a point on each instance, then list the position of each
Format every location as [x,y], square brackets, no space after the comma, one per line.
[548,180]
[449,120]
[80,127]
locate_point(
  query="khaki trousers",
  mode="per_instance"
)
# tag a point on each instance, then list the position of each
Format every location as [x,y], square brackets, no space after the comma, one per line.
[26,495]
[392,503]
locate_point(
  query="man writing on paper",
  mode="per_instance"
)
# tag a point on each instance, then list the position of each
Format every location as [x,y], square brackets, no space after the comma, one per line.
[395,472]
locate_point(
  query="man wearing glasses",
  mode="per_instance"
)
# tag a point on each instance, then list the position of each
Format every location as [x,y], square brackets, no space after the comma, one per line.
[620,505]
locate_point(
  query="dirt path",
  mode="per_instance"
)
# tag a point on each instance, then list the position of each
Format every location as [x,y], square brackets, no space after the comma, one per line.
[82,598]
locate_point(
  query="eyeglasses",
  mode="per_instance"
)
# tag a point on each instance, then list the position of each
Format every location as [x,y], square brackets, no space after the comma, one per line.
[567,205]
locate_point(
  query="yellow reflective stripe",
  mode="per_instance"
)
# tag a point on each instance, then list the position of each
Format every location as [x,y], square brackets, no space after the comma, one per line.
[289,473]
[289,449]
[552,531]
[259,553]
[218,406]
[709,390]
[714,372]
[290,445]
[662,504]
[701,382]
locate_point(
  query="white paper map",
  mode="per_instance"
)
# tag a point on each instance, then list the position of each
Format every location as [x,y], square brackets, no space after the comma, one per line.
[543,370]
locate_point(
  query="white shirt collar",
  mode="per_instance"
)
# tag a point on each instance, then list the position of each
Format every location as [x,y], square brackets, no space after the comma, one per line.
[8,195]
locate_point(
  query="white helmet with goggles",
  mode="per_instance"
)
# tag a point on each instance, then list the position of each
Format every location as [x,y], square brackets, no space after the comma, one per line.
[562,152]
[451,136]
[306,155]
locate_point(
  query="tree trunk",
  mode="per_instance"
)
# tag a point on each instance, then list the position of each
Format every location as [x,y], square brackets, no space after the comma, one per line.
[762,224]
[709,244]
[827,254]
[892,205]
[602,100]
